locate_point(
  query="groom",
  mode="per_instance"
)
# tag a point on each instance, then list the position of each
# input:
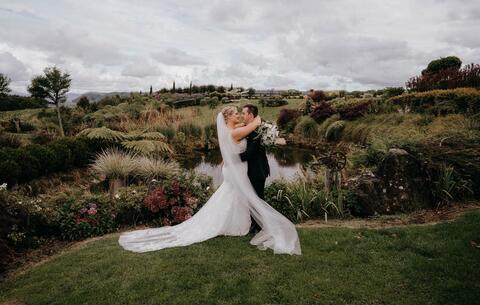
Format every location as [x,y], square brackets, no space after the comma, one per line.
[255,155]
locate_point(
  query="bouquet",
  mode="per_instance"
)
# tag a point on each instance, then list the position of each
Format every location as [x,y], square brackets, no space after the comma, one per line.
[268,133]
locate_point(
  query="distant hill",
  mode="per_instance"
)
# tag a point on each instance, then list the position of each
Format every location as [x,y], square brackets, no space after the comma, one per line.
[94,96]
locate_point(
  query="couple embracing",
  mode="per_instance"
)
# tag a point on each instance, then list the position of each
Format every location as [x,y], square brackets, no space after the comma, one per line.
[236,204]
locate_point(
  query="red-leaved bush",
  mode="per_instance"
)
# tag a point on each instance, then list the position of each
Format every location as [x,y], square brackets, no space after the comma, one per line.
[172,201]
[286,116]
[451,78]
[322,112]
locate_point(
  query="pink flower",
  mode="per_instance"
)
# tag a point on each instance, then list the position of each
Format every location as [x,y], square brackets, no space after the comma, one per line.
[176,187]
[181,214]
[92,205]
[83,211]
[166,222]
[92,211]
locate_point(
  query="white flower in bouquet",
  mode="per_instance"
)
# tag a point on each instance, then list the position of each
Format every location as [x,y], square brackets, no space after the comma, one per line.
[3,187]
[268,133]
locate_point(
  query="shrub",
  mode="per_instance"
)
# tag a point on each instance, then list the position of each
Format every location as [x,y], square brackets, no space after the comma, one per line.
[168,132]
[213,102]
[9,171]
[9,140]
[151,168]
[190,129]
[273,102]
[322,112]
[113,164]
[174,201]
[322,129]
[226,100]
[334,131]
[450,78]
[44,155]
[86,218]
[441,102]
[307,128]
[317,96]
[287,116]
[42,137]
[354,111]
[15,102]
[392,91]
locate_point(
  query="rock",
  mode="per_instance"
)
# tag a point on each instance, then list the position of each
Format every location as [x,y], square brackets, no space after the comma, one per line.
[400,185]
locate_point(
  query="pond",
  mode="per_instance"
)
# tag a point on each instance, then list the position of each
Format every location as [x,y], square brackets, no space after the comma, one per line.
[285,163]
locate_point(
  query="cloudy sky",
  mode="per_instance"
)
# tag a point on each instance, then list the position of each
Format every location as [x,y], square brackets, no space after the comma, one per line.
[121,45]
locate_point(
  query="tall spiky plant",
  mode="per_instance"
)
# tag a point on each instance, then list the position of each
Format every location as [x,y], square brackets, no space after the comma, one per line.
[152,168]
[115,165]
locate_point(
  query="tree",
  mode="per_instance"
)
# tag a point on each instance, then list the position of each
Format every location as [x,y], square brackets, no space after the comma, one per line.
[173,87]
[190,88]
[443,63]
[151,90]
[4,83]
[221,89]
[231,87]
[251,92]
[211,88]
[317,96]
[84,102]
[393,91]
[53,86]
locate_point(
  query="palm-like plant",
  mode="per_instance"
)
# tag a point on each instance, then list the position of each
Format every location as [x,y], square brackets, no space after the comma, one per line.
[103,133]
[139,141]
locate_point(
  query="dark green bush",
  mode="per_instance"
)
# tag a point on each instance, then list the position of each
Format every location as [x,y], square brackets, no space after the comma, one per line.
[274,196]
[15,102]
[30,162]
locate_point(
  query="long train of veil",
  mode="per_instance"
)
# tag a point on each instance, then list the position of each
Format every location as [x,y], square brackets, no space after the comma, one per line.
[227,212]
[277,233]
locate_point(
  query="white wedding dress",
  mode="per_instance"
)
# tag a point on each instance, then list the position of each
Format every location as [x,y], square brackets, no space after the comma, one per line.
[227,212]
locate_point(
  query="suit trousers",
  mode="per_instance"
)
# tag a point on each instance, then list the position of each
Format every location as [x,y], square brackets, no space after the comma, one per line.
[259,187]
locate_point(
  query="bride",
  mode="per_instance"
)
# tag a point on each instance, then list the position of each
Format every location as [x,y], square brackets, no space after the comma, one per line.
[228,211]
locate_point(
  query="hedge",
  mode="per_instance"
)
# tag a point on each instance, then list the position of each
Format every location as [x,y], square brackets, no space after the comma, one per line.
[440,102]
[32,161]
[15,102]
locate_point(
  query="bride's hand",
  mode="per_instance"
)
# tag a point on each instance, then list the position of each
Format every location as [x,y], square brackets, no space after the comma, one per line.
[257,121]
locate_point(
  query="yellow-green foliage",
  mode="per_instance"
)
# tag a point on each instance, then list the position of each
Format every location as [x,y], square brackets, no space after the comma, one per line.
[307,128]
[394,128]
[441,102]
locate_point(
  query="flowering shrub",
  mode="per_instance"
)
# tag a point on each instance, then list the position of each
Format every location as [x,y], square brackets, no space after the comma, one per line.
[82,219]
[174,201]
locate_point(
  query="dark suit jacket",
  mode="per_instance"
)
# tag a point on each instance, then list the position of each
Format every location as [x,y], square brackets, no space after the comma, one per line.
[256,157]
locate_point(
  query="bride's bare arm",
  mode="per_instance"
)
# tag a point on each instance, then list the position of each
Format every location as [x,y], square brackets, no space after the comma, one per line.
[242,132]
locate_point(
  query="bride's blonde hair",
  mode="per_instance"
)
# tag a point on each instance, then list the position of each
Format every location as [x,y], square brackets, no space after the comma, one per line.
[228,111]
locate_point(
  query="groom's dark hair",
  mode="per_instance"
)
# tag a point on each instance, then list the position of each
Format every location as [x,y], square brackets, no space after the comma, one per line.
[252,109]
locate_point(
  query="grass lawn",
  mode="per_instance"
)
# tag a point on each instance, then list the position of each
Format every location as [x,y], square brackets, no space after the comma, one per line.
[436,264]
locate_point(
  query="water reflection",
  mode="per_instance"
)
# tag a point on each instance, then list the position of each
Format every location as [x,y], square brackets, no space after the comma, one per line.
[284,163]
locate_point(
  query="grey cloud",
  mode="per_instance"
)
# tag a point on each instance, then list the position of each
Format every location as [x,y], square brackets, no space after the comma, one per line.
[140,69]
[176,57]
[12,67]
